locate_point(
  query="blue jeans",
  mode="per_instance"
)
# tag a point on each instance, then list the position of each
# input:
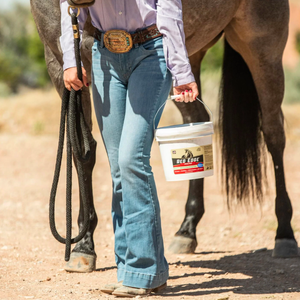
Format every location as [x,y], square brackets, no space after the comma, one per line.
[128,89]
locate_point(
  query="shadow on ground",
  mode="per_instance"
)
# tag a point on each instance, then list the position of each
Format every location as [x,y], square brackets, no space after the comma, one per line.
[263,273]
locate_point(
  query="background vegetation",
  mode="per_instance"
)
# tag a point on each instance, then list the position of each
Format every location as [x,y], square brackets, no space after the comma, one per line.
[21,52]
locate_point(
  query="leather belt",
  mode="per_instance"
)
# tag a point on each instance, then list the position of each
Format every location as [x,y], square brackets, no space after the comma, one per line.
[121,41]
[81,3]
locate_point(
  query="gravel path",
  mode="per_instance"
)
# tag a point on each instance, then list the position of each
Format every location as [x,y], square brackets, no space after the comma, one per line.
[223,267]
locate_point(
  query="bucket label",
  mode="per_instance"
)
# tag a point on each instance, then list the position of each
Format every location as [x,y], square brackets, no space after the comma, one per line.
[191,160]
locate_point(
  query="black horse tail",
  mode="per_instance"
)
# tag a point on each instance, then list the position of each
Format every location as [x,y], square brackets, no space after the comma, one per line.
[240,120]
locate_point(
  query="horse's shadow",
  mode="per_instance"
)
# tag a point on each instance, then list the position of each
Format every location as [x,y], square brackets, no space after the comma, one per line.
[105,269]
[265,275]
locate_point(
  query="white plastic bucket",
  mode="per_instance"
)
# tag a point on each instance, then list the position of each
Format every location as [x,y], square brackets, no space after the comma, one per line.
[186,149]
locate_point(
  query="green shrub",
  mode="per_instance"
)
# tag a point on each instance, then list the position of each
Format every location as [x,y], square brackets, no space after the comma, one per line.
[292,85]
[214,57]
[21,51]
[298,41]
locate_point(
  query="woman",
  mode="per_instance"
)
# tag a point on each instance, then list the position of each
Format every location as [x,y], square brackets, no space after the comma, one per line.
[129,85]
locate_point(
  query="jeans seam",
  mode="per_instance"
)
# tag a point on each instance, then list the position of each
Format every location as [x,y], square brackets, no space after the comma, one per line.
[142,153]
[153,275]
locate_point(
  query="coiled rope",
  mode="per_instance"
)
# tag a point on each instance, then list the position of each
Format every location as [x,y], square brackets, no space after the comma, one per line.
[72,119]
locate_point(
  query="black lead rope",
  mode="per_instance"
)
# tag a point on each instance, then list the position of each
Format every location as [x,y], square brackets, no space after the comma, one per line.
[71,118]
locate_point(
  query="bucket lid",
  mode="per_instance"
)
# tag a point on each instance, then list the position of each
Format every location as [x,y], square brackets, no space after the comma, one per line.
[184,131]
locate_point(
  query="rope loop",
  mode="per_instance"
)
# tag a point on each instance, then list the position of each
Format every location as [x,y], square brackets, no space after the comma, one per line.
[73,123]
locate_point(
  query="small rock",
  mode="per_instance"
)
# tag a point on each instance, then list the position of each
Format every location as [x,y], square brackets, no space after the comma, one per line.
[264,273]
[279,271]
[224,298]
[180,257]
[48,279]
[7,248]
[207,275]
[259,250]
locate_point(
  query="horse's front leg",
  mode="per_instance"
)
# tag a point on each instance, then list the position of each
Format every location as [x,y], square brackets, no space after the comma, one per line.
[185,240]
[83,257]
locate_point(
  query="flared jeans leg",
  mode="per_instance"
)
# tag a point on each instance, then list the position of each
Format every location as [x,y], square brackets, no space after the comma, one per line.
[128,90]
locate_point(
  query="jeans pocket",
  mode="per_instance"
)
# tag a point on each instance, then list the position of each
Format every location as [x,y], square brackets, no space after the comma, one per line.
[103,51]
[153,46]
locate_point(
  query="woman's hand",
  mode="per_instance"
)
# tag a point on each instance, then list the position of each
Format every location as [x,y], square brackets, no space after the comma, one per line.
[186,92]
[71,79]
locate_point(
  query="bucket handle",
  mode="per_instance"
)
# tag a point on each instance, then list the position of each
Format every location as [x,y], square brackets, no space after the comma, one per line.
[174,97]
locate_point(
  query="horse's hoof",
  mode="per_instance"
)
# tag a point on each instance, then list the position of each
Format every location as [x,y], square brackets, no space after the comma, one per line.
[81,263]
[285,248]
[182,245]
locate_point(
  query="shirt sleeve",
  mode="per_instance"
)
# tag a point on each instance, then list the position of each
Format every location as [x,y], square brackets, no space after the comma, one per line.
[170,24]
[66,38]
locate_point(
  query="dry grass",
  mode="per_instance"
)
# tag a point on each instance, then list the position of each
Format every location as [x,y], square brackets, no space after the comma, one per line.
[37,112]
[32,111]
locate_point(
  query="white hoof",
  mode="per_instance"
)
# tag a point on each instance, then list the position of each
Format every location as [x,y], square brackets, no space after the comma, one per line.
[81,263]
[182,245]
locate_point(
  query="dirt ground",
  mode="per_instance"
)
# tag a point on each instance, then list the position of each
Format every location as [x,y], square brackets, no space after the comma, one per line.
[225,265]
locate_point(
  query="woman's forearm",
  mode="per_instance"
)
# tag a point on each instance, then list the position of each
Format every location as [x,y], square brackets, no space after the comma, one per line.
[66,39]
[170,24]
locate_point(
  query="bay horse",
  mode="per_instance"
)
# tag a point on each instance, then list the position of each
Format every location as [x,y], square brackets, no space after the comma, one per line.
[252,89]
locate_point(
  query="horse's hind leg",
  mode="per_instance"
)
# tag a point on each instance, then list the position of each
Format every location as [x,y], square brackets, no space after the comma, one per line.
[185,239]
[83,256]
[261,44]
[273,129]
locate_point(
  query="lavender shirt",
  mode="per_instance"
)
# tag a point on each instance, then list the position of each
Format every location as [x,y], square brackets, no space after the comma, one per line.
[131,15]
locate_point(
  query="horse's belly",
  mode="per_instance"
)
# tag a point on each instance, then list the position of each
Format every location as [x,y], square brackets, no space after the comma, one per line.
[205,19]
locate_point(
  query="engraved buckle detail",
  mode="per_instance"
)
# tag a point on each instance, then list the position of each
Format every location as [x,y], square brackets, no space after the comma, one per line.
[117,41]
